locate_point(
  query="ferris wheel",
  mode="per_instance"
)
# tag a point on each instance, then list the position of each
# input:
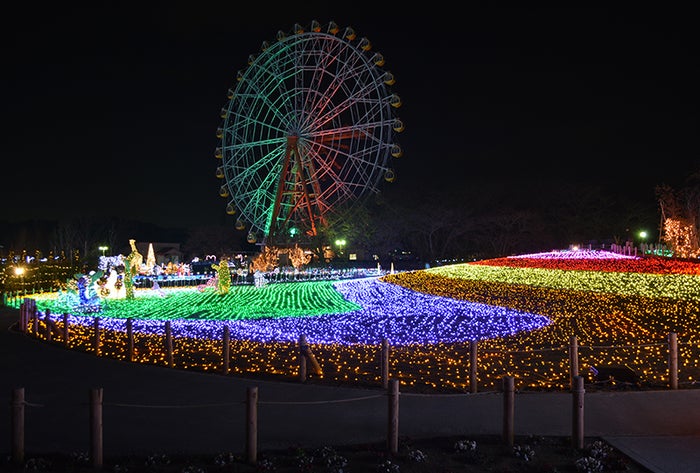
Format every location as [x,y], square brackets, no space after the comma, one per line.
[309,131]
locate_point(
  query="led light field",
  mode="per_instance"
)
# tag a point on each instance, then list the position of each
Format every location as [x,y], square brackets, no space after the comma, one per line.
[523,312]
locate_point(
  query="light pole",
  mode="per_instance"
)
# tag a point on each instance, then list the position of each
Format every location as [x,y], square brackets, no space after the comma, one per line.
[643,240]
[340,243]
[103,249]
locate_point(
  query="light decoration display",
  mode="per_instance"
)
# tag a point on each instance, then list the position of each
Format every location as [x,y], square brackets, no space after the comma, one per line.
[389,311]
[578,254]
[266,260]
[80,294]
[522,316]
[363,311]
[223,276]
[150,259]
[681,235]
[298,257]
[133,264]
[651,285]
[599,261]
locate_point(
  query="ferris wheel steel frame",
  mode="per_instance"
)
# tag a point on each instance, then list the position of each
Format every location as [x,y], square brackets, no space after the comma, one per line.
[309,131]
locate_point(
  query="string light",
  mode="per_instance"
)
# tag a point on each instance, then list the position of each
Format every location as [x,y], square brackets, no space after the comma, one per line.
[523,310]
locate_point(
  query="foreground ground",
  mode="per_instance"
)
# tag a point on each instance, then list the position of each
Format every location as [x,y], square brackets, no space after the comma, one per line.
[434,455]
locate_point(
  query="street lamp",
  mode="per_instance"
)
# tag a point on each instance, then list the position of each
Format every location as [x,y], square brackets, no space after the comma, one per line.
[103,249]
[19,272]
[340,243]
[643,234]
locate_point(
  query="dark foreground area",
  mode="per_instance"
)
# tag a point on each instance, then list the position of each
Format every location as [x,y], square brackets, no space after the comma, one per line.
[161,419]
[432,455]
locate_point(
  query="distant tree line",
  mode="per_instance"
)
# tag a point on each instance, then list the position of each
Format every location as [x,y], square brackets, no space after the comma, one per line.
[463,223]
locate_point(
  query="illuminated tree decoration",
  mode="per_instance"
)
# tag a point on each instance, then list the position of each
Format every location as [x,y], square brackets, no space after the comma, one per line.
[298,257]
[680,213]
[150,259]
[266,260]
[681,237]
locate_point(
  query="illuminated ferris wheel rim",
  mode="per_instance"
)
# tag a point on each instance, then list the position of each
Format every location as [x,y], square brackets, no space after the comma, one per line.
[326,93]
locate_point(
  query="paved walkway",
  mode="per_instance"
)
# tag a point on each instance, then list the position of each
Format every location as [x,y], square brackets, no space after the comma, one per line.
[151,409]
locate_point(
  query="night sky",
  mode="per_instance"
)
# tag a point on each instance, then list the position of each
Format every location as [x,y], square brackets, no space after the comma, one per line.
[113,111]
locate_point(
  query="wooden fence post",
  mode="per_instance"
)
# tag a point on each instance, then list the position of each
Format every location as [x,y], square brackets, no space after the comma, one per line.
[24,320]
[573,360]
[66,332]
[472,366]
[96,325]
[35,318]
[96,427]
[18,426]
[169,343]
[47,323]
[22,317]
[508,410]
[673,360]
[577,430]
[302,358]
[252,425]
[226,349]
[393,419]
[384,360]
[310,357]
[130,338]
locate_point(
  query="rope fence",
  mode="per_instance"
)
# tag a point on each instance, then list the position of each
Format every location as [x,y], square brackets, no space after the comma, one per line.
[96,406]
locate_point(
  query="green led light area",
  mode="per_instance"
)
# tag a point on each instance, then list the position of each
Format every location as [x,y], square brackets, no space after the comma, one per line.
[240,303]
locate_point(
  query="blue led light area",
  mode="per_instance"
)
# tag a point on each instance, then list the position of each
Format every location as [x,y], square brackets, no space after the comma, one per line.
[389,311]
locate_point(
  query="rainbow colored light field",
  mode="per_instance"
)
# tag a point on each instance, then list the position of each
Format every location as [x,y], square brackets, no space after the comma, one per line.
[522,311]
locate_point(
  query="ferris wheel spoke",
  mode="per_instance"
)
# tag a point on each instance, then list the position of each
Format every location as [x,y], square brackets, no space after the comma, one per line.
[362,132]
[364,155]
[338,185]
[338,81]
[323,98]
[350,104]
[245,171]
[353,164]
[261,167]
[262,99]
[246,122]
